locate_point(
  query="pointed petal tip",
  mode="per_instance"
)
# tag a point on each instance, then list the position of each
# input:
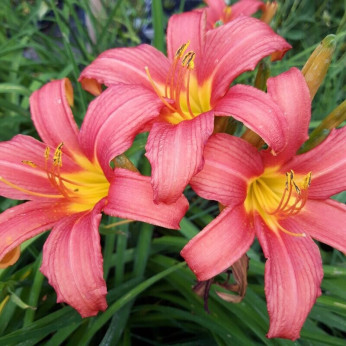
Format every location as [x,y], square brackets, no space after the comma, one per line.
[90,85]
[10,258]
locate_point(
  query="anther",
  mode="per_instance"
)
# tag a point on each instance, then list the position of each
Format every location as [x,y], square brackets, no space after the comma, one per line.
[307,181]
[188,60]
[46,153]
[181,50]
[57,158]
[29,163]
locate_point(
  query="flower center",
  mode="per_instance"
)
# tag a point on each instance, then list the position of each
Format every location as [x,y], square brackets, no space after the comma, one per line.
[82,189]
[275,196]
[184,98]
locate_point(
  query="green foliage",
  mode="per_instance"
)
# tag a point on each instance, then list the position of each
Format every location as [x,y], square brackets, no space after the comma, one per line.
[150,297]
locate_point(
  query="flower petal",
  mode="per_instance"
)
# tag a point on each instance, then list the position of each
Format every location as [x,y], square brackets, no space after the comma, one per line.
[245,8]
[52,115]
[293,274]
[229,164]
[184,27]
[27,220]
[125,65]
[121,202]
[325,221]
[290,91]
[219,244]
[214,11]
[13,155]
[176,154]
[258,111]
[72,262]
[242,43]
[327,162]
[113,120]
[10,258]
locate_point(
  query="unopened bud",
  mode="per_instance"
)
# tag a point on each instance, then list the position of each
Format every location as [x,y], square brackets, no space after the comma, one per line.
[331,121]
[269,10]
[122,161]
[318,63]
[263,73]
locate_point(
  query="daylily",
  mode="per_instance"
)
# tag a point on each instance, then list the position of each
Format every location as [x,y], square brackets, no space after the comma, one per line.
[192,86]
[283,200]
[68,181]
[217,10]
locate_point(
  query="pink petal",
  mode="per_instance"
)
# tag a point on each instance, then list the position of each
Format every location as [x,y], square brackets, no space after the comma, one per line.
[131,197]
[52,115]
[327,163]
[25,148]
[219,244]
[258,111]
[113,120]
[230,163]
[325,221]
[290,91]
[214,11]
[236,47]
[72,262]
[245,8]
[126,65]
[27,220]
[184,27]
[176,154]
[293,274]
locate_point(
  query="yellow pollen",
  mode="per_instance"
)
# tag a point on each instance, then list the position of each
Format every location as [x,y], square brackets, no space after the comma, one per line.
[57,158]
[188,60]
[182,94]
[82,189]
[276,196]
[29,163]
[181,50]
[47,153]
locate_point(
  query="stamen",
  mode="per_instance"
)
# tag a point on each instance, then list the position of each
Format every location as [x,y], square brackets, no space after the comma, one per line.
[57,158]
[188,62]
[47,153]
[28,191]
[284,200]
[188,93]
[284,209]
[29,163]
[157,90]
[307,181]
[179,84]
[181,50]
[172,70]
[290,233]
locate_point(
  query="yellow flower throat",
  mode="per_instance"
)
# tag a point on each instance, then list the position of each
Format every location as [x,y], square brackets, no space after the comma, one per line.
[183,97]
[275,196]
[82,189]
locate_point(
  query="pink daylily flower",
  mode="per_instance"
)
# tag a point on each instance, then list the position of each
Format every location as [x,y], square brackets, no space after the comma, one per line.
[283,200]
[192,86]
[217,10]
[68,182]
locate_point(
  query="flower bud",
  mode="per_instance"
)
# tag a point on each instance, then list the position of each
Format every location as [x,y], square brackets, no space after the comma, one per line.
[317,65]
[269,10]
